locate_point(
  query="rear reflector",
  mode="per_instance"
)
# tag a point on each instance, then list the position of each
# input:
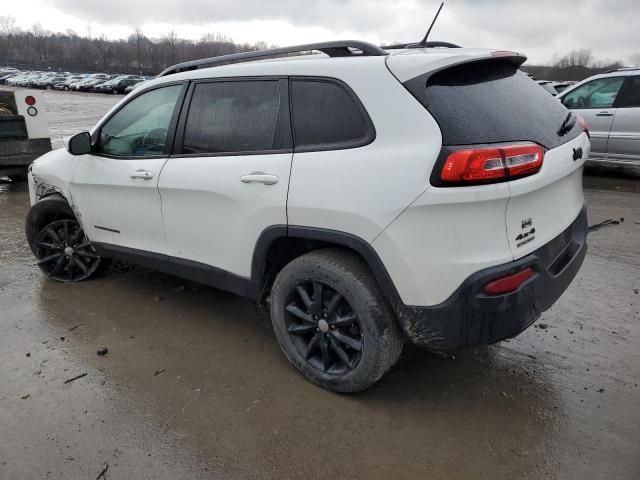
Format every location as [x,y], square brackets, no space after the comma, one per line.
[508,284]
[30,100]
[489,165]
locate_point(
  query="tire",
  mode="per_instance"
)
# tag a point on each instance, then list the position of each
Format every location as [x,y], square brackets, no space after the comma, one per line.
[370,344]
[65,88]
[114,91]
[57,240]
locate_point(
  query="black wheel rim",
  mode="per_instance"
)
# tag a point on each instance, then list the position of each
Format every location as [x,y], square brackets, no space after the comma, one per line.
[323,327]
[64,252]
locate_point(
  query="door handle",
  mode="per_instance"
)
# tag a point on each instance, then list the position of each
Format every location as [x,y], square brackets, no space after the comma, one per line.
[260,177]
[144,174]
[604,114]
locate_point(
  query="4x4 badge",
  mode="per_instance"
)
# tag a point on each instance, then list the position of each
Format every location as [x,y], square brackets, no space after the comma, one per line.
[577,153]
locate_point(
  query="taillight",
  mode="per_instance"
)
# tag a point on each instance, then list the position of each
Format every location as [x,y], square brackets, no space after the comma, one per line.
[509,283]
[30,100]
[496,164]
[583,125]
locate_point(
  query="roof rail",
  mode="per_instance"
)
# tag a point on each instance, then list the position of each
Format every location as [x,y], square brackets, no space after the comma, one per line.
[623,69]
[341,48]
[433,44]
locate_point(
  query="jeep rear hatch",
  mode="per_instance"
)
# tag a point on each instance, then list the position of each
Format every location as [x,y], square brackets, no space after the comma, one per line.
[499,126]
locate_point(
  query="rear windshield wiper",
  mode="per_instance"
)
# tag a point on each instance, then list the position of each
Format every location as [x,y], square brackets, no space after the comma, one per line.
[567,125]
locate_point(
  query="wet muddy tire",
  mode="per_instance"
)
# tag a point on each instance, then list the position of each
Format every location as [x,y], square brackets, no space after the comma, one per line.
[57,240]
[332,322]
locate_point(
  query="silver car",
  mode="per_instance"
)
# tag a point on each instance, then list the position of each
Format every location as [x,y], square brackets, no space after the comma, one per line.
[610,104]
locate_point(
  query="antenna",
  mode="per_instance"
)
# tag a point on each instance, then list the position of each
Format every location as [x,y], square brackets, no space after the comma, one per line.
[423,42]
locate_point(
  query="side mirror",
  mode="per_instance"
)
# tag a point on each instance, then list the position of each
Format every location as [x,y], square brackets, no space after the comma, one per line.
[80,144]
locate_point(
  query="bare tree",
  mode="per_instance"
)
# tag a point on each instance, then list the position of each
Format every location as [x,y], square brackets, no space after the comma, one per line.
[7,32]
[40,39]
[635,60]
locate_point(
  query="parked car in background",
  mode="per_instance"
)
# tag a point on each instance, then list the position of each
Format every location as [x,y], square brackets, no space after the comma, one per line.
[130,88]
[91,85]
[66,84]
[50,81]
[610,104]
[118,85]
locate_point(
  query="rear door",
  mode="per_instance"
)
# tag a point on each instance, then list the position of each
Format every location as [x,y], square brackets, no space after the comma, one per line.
[624,139]
[595,102]
[228,179]
[116,186]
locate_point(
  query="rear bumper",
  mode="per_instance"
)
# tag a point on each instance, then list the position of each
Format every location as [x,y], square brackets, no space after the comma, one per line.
[470,318]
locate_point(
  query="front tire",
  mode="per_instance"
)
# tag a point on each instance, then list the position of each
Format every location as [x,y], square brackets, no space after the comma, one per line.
[57,240]
[64,252]
[332,322]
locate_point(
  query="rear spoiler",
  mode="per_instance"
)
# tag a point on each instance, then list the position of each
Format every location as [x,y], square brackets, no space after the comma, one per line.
[406,67]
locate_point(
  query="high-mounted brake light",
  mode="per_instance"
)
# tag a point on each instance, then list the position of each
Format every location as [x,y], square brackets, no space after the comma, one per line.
[583,125]
[489,165]
[509,283]
[30,100]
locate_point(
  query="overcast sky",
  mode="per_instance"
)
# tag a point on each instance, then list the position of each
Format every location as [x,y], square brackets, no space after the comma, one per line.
[539,28]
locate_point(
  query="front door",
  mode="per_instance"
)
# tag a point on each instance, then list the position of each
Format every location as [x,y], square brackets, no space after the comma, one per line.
[595,101]
[229,178]
[115,188]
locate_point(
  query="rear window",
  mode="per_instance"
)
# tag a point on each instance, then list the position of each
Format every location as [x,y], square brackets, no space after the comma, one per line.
[232,117]
[491,102]
[326,116]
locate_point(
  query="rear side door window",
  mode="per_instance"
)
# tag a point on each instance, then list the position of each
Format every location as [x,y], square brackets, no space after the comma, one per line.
[328,116]
[630,94]
[233,117]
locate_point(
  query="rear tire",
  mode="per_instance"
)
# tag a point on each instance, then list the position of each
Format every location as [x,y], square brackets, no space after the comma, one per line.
[332,322]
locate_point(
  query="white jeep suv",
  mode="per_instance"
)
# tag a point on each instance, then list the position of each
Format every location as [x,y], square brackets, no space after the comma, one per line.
[368,195]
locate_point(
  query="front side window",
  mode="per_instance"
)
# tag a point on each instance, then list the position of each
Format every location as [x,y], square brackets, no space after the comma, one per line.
[326,116]
[600,93]
[232,117]
[630,94]
[140,128]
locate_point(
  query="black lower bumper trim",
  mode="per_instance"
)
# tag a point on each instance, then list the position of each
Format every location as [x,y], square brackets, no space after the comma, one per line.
[470,318]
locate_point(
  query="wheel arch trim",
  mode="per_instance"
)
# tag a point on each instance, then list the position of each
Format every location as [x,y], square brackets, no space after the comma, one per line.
[334,237]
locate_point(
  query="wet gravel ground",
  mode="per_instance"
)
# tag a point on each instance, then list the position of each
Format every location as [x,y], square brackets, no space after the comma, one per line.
[194,386]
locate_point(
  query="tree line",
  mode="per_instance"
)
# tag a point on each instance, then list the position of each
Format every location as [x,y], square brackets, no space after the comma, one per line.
[577,65]
[37,48]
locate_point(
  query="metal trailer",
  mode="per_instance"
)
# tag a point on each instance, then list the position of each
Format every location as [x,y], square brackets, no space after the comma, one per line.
[24,132]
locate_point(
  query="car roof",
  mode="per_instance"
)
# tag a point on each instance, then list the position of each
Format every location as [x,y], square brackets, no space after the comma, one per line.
[407,62]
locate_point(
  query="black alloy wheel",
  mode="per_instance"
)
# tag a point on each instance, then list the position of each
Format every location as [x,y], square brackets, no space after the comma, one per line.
[323,327]
[64,253]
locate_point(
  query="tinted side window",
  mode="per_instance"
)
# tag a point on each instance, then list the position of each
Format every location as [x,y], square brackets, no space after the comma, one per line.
[630,94]
[228,117]
[600,93]
[326,116]
[140,128]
